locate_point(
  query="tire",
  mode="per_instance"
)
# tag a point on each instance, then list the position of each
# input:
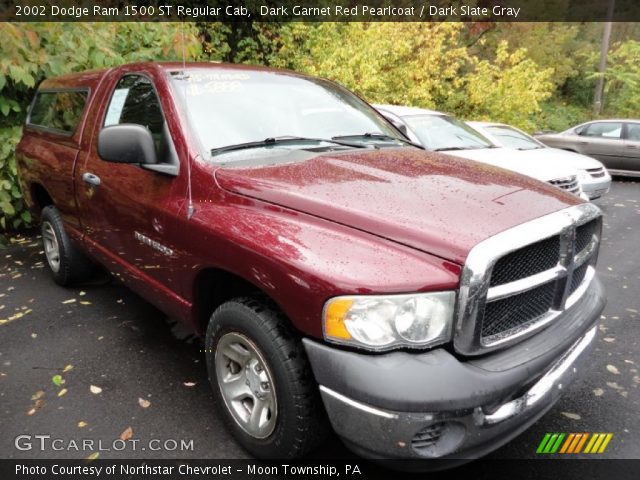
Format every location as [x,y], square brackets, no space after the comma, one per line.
[66,263]
[249,340]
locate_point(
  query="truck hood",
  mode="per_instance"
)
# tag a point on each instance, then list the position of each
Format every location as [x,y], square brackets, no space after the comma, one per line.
[428,201]
[538,166]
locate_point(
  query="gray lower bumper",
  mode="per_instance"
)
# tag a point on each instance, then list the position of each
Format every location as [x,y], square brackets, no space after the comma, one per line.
[595,188]
[431,405]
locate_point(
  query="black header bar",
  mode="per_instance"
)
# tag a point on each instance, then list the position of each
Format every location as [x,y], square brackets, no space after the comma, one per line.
[319,10]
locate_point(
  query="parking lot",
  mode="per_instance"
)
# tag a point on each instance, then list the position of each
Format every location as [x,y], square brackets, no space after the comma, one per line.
[126,371]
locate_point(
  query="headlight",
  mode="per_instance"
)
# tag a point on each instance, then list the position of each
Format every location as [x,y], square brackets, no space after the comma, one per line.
[381,322]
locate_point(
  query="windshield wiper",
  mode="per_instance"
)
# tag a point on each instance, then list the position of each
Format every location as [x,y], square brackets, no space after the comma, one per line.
[267,142]
[444,149]
[380,136]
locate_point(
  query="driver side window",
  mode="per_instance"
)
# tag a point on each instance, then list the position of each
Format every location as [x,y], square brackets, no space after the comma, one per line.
[134,100]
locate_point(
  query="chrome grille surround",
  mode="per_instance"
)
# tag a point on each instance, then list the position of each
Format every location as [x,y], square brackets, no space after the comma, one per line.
[475,284]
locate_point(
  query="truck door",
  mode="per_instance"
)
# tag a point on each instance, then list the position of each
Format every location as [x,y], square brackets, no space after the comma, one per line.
[123,206]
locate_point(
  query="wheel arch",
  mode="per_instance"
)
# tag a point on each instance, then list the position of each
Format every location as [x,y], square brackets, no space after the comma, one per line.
[40,197]
[214,286]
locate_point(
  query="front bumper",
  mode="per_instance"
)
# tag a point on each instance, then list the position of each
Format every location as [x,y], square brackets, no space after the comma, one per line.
[432,405]
[596,187]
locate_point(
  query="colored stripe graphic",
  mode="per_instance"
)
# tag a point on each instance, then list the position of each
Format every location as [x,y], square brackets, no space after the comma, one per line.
[567,443]
[544,441]
[573,443]
[576,440]
[582,440]
[606,441]
[550,443]
[592,441]
[556,446]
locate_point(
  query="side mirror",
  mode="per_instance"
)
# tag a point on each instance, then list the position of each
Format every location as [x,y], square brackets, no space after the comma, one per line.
[127,143]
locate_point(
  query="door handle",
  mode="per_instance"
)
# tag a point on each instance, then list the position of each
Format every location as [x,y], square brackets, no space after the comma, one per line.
[91,179]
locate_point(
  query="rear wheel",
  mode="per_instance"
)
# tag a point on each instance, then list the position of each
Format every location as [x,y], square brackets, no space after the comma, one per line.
[66,263]
[261,380]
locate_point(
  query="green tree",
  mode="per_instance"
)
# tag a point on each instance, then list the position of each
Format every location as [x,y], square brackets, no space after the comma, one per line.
[420,64]
[622,80]
[508,89]
[404,63]
[30,52]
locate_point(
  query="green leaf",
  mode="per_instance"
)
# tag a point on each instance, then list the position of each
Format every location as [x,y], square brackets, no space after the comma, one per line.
[28,80]
[57,380]
[7,209]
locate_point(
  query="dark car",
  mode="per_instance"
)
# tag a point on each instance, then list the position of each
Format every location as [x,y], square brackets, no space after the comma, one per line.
[616,143]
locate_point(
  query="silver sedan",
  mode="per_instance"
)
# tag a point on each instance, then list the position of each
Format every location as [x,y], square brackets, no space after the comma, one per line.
[593,176]
[616,143]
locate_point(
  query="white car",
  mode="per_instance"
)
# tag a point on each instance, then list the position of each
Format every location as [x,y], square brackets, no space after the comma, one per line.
[440,132]
[592,174]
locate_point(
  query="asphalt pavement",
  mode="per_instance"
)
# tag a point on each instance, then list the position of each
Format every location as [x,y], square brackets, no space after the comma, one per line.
[96,363]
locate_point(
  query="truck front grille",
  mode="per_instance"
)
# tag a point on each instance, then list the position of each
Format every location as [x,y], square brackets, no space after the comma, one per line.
[570,184]
[512,312]
[578,277]
[521,279]
[525,304]
[584,235]
[527,261]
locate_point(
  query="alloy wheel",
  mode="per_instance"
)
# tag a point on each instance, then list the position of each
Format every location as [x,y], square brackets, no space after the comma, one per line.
[246,384]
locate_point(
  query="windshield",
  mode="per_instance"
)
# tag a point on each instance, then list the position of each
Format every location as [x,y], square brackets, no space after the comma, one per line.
[250,109]
[512,138]
[442,132]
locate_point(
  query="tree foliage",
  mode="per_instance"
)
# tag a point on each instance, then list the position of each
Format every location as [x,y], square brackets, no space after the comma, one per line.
[533,75]
[622,79]
[508,89]
[421,64]
[30,52]
[415,63]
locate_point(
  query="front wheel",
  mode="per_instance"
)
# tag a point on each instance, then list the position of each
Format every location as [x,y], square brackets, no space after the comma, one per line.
[261,380]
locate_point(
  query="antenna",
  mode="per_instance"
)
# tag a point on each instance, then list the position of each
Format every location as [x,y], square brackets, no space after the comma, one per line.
[190,208]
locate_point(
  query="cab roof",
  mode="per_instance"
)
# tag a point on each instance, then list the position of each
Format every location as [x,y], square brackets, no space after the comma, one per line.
[91,78]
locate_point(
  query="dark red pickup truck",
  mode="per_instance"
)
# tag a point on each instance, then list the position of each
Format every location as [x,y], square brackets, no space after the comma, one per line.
[430,307]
